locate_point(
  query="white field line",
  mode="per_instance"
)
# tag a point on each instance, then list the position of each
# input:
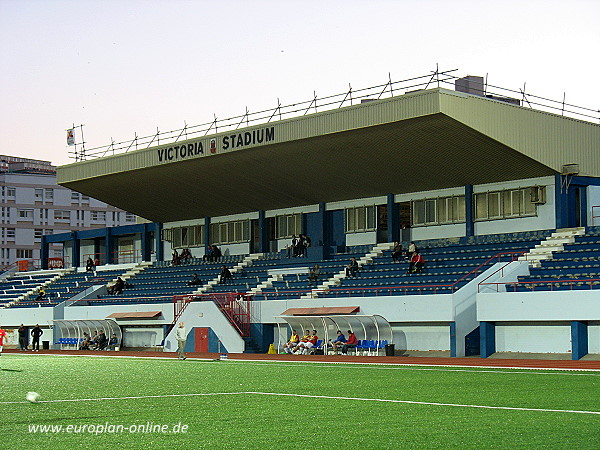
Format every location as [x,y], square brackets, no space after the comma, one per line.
[327,397]
[440,368]
[135,397]
[396,366]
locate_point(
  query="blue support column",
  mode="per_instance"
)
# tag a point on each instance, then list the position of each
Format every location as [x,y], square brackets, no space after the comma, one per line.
[75,249]
[44,252]
[263,232]
[207,241]
[145,240]
[487,332]
[453,339]
[561,204]
[579,339]
[109,246]
[159,244]
[469,213]
[393,219]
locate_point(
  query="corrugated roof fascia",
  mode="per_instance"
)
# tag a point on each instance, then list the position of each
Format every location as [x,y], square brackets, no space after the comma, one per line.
[549,138]
[369,114]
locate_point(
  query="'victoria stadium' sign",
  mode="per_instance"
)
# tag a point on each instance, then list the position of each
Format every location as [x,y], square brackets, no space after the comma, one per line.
[235,140]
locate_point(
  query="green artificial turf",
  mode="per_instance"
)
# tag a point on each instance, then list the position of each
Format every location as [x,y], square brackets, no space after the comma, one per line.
[267,421]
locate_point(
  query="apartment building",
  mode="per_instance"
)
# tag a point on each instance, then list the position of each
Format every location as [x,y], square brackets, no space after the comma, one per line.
[32,205]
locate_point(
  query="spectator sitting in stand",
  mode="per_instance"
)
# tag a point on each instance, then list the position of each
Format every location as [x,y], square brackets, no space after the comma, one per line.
[113,343]
[339,341]
[293,341]
[194,281]
[186,256]
[397,252]
[352,268]
[208,256]
[175,260]
[216,253]
[314,274]
[300,246]
[416,263]
[41,295]
[117,288]
[89,265]
[352,342]
[225,275]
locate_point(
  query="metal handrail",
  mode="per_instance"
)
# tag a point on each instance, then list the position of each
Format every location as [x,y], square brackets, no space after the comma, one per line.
[329,102]
[552,283]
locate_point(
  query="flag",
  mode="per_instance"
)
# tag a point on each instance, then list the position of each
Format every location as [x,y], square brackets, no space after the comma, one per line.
[71,137]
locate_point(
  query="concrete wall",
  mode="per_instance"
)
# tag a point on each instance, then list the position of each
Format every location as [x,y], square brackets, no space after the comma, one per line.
[533,337]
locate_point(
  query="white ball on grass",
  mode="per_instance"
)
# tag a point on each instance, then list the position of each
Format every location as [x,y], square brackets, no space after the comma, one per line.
[32,397]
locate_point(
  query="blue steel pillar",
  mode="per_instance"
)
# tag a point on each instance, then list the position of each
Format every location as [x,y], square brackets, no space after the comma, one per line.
[109,246]
[206,234]
[263,232]
[393,219]
[579,339]
[44,252]
[469,212]
[75,249]
[487,332]
[453,339]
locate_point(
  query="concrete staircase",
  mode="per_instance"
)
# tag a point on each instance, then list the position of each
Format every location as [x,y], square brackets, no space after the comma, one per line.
[336,279]
[553,243]
[247,261]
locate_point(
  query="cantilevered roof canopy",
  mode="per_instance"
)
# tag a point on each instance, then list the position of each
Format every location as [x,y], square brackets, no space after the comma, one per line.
[415,142]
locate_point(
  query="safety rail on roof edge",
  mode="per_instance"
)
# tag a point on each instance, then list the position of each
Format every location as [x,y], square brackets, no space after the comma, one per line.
[350,97]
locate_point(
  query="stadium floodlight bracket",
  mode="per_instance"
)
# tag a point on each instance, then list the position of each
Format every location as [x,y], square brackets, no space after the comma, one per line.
[568,171]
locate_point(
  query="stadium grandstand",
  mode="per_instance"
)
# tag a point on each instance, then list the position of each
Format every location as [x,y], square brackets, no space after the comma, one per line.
[499,191]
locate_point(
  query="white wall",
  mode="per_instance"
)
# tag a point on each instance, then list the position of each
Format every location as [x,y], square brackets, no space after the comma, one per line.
[367,238]
[438,231]
[421,337]
[539,337]
[594,336]
[539,306]
[593,199]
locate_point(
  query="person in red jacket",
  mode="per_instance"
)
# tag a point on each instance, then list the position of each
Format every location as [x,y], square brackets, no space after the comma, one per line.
[2,336]
[350,343]
[416,263]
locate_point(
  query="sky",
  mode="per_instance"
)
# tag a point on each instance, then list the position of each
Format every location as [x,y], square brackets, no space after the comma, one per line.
[121,67]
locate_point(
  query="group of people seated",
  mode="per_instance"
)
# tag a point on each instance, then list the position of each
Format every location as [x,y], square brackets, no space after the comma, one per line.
[184,258]
[301,346]
[343,343]
[99,341]
[412,254]
[298,246]
[213,253]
